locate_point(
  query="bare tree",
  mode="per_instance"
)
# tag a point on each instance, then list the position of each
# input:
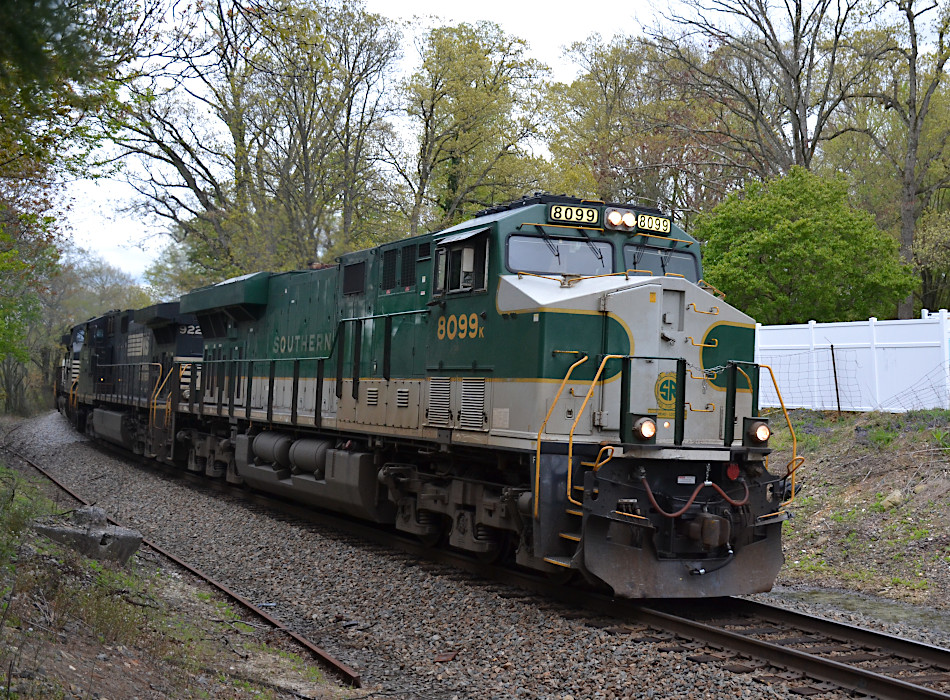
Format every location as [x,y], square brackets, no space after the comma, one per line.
[911,75]
[774,75]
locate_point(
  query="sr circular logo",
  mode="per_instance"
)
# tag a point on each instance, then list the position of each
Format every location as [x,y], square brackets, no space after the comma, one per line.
[665,391]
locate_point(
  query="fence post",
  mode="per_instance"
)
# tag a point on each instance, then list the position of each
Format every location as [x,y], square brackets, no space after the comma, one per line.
[816,403]
[872,326]
[834,370]
[945,350]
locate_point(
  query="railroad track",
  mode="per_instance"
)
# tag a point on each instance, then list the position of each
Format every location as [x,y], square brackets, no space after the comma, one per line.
[810,655]
[816,654]
[346,674]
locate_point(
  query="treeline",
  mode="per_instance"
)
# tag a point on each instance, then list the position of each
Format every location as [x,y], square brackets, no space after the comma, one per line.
[806,143]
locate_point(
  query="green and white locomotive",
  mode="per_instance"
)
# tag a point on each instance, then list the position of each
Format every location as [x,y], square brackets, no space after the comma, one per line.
[549,382]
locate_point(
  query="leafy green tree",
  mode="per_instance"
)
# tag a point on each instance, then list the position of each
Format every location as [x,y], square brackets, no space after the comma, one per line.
[474,107]
[61,64]
[79,287]
[792,249]
[264,153]
[619,133]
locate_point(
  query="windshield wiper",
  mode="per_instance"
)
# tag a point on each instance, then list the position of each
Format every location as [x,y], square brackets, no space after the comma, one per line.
[547,239]
[590,244]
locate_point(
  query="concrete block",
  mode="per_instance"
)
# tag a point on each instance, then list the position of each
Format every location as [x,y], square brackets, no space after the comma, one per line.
[90,534]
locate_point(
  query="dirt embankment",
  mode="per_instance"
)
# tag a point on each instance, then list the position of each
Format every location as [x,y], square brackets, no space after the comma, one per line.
[871,513]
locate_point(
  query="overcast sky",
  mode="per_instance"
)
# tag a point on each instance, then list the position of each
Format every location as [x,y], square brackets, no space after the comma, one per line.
[127,241]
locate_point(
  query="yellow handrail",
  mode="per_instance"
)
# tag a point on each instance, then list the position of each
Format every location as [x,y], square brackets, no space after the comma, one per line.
[570,439]
[747,377]
[714,311]
[714,344]
[153,399]
[709,408]
[557,396]
[598,463]
[153,407]
[181,373]
[797,460]
[715,290]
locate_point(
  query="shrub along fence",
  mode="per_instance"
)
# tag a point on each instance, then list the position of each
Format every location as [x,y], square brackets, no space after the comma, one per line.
[872,365]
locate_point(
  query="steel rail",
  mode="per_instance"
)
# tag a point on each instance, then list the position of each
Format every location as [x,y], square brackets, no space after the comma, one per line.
[348,675]
[846,632]
[815,667]
[843,675]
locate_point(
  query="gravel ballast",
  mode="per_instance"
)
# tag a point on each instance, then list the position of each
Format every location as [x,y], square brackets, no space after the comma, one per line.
[382,613]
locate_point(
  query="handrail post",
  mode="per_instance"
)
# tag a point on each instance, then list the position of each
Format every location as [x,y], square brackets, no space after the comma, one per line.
[250,388]
[388,348]
[295,392]
[200,391]
[270,390]
[318,402]
[729,426]
[232,384]
[357,353]
[626,419]
[679,419]
[341,343]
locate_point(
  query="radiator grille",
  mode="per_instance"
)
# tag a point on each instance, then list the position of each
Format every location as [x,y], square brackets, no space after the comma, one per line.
[139,344]
[440,393]
[402,398]
[472,415]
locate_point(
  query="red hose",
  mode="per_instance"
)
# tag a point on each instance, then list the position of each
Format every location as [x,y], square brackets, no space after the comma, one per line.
[692,498]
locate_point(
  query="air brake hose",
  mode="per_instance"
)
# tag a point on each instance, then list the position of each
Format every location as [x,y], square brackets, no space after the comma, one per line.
[692,498]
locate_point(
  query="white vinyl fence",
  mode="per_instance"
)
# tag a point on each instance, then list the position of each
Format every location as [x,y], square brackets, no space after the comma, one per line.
[872,365]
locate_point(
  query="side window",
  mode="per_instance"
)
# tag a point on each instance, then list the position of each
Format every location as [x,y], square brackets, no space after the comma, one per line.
[439,286]
[354,278]
[462,266]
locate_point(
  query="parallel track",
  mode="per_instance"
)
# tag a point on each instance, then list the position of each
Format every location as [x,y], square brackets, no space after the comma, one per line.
[348,675]
[849,657]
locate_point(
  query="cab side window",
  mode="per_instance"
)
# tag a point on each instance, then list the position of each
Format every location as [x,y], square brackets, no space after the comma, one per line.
[462,266]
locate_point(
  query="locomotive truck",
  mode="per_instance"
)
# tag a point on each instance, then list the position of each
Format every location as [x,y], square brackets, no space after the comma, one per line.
[549,383]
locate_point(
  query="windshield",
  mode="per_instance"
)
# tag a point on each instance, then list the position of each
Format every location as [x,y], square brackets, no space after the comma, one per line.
[559,256]
[660,261]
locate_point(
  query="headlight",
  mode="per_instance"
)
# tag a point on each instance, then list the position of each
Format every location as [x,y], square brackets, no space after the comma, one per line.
[644,428]
[758,432]
[620,219]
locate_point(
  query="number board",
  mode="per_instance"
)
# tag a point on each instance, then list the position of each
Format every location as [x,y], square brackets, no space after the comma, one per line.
[654,224]
[567,214]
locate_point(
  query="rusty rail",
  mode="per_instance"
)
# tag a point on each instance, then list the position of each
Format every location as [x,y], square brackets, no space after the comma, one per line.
[348,675]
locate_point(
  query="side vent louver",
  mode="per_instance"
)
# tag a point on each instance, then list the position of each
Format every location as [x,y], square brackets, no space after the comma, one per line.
[439,413]
[372,396]
[402,398]
[472,415]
